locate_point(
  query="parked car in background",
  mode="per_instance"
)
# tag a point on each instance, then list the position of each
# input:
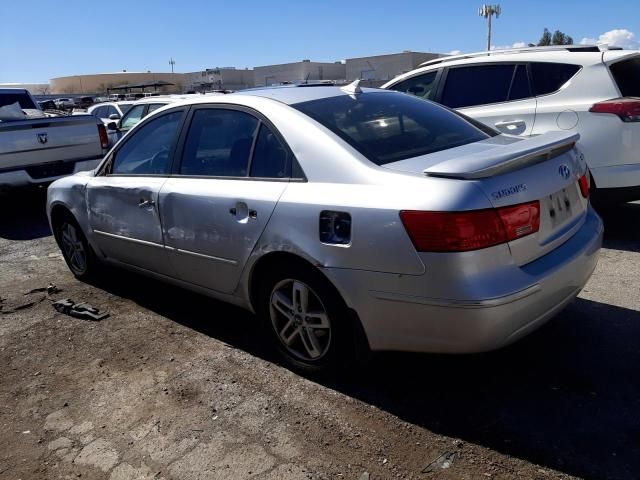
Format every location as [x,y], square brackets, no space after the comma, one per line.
[37,149]
[110,111]
[136,112]
[65,103]
[84,102]
[288,201]
[535,90]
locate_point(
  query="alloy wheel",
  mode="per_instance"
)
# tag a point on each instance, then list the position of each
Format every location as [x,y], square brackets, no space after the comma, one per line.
[73,248]
[300,320]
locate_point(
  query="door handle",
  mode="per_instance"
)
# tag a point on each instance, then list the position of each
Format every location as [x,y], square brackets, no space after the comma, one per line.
[233,211]
[146,203]
[511,124]
[253,214]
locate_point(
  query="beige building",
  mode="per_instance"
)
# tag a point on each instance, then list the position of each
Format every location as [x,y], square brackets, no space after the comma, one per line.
[305,70]
[378,69]
[228,78]
[100,82]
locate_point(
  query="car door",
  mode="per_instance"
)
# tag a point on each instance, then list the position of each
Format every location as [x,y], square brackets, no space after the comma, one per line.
[499,95]
[123,199]
[234,167]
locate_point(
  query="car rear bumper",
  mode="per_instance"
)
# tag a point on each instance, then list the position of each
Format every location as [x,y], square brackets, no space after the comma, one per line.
[45,173]
[397,312]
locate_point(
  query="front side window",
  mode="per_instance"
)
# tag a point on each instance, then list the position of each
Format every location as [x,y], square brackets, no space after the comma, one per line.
[477,85]
[550,77]
[147,151]
[423,86]
[132,117]
[218,143]
[387,127]
[270,158]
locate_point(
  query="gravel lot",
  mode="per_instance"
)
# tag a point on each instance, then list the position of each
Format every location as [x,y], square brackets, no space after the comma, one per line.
[175,385]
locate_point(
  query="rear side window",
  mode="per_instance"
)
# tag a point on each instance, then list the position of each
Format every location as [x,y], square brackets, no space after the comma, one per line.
[22,98]
[270,157]
[627,76]
[219,143]
[481,85]
[423,86]
[388,127]
[550,77]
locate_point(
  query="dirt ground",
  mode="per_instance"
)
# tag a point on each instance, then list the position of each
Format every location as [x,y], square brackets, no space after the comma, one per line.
[173,385]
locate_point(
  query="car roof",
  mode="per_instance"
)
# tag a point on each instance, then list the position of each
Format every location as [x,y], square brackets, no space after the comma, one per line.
[292,94]
[583,57]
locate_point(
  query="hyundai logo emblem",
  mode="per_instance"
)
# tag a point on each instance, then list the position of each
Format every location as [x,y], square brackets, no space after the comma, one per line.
[564,171]
[42,138]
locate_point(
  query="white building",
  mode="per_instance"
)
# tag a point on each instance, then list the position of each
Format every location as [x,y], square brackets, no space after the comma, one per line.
[296,72]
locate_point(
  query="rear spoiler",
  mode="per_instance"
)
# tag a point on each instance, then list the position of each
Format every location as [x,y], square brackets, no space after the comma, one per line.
[507,158]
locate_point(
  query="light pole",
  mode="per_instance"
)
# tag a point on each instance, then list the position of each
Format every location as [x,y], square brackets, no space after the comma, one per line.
[487,11]
[172,62]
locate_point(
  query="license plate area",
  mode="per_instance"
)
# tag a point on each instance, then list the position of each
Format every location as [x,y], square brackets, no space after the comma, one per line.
[560,206]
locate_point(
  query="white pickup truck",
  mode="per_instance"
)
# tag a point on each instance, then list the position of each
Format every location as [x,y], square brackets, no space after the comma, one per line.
[37,149]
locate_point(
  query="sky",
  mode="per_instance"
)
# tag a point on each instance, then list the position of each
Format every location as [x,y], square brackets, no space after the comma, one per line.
[43,39]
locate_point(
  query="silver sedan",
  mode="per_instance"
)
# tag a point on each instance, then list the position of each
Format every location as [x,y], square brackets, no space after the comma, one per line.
[345,218]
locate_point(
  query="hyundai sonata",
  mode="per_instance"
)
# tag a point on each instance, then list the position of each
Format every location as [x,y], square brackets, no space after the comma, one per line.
[342,217]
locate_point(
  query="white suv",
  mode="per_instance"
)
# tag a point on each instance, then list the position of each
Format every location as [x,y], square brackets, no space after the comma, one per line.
[534,90]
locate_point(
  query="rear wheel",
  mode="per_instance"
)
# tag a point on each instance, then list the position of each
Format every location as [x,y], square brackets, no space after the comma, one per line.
[75,249]
[305,318]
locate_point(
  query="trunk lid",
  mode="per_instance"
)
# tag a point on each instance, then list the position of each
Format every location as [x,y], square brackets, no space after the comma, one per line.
[511,171]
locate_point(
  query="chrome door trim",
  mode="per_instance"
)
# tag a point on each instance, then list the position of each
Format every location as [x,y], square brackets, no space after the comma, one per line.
[202,255]
[129,239]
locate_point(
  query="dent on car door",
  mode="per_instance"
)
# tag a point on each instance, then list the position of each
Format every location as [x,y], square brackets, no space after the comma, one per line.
[498,95]
[123,202]
[222,195]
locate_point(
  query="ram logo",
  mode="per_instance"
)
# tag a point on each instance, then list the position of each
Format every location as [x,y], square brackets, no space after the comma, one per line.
[42,138]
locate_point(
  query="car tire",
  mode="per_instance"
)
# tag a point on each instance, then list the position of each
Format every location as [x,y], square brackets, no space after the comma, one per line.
[77,252]
[305,320]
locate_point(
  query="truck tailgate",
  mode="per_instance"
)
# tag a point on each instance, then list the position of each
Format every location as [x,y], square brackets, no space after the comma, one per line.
[35,142]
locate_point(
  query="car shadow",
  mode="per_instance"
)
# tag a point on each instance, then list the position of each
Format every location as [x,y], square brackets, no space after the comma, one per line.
[621,226]
[567,397]
[24,214]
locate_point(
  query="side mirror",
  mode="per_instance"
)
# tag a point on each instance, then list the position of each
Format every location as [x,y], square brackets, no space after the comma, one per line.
[113,126]
[114,116]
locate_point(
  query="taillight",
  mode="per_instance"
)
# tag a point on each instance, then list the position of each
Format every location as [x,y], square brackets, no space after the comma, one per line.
[104,138]
[585,185]
[471,230]
[628,109]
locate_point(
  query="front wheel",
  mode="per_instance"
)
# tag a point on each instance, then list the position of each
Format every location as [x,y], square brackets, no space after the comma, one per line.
[305,318]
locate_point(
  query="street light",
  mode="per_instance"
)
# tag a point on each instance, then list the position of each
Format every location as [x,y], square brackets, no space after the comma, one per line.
[487,11]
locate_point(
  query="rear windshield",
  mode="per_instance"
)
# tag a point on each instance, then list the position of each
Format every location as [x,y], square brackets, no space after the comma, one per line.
[388,127]
[10,98]
[627,76]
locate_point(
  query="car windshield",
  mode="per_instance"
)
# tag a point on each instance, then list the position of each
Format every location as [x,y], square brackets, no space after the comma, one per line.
[388,127]
[125,107]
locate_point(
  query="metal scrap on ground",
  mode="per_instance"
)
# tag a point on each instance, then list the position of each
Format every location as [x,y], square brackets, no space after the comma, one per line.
[79,310]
